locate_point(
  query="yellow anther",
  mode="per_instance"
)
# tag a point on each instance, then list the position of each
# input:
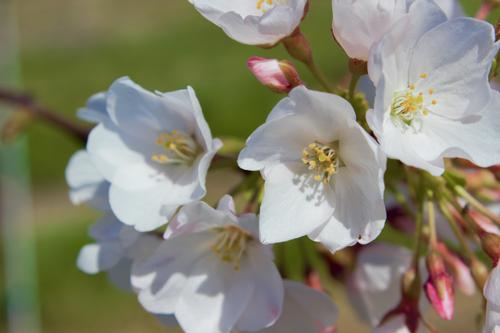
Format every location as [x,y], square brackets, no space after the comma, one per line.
[431,91]
[230,245]
[322,160]
[434,102]
[424,76]
[177,148]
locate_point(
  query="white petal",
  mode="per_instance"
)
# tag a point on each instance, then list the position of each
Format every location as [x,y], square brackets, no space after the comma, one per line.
[294,204]
[146,198]
[306,116]
[492,287]
[391,56]
[374,286]
[267,300]
[358,25]
[86,184]
[119,275]
[305,310]
[109,152]
[95,110]
[359,214]
[198,217]
[160,279]
[142,114]
[214,297]
[94,258]
[474,139]
[459,76]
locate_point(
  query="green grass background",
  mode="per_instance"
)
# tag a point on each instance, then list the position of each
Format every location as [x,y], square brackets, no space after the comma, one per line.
[72,49]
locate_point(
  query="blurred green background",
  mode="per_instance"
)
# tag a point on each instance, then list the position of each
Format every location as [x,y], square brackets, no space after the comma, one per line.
[71,49]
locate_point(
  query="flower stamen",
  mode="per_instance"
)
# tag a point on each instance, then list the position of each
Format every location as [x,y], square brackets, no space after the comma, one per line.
[322,160]
[178,148]
[230,245]
[409,106]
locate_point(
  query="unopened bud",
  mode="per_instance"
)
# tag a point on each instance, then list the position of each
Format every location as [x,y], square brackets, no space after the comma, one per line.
[488,194]
[483,222]
[439,287]
[460,271]
[480,178]
[279,76]
[491,245]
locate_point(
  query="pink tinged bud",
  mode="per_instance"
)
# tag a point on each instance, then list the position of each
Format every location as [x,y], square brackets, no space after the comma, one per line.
[439,287]
[460,271]
[484,222]
[279,76]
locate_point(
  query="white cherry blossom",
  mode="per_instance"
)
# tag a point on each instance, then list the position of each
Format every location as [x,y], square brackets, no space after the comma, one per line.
[433,99]
[323,173]
[254,22]
[492,295]
[154,149]
[360,24]
[117,247]
[375,283]
[211,272]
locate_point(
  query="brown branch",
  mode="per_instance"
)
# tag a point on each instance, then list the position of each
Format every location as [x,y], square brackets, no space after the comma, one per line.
[27,104]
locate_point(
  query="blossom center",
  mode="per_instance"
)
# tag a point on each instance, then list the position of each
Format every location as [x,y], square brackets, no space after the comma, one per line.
[178,148]
[265,5]
[230,245]
[322,160]
[411,105]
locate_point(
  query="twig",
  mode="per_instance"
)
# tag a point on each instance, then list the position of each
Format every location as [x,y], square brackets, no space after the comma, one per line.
[28,105]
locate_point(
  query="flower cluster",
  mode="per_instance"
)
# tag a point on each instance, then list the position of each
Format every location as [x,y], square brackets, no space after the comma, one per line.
[319,167]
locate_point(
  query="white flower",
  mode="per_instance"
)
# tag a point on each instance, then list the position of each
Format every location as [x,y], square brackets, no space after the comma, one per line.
[323,172]
[212,272]
[492,295]
[375,283]
[116,247]
[254,22]
[304,310]
[86,184]
[155,150]
[360,24]
[433,98]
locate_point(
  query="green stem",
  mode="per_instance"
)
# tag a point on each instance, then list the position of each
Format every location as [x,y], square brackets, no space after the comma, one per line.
[318,74]
[476,204]
[432,223]
[456,230]
[352,85]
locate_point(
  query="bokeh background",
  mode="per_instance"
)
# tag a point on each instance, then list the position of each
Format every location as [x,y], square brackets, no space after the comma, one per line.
[70,49]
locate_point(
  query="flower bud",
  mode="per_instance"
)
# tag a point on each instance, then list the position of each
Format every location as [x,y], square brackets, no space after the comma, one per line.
[479,179]
[488,195]
[491,245]
[460,271]
[279,76]
[484,223]
[439,287]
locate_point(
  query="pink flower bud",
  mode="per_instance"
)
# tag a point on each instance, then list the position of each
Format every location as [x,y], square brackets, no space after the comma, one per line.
[439,287]
[279,76]
[460,271]
[484,222]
